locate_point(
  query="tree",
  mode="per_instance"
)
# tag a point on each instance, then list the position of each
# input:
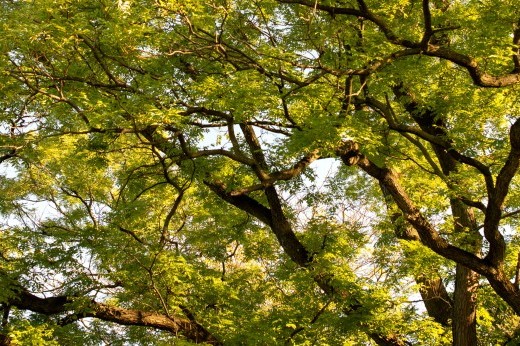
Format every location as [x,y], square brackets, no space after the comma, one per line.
[260,172]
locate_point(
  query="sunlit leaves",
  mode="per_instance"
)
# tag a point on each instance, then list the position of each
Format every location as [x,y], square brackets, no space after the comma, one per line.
[119,114]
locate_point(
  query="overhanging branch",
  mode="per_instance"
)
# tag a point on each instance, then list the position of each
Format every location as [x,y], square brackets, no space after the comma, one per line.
[192,330]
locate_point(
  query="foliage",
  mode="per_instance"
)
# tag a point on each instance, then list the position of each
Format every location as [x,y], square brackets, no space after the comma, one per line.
[259,172]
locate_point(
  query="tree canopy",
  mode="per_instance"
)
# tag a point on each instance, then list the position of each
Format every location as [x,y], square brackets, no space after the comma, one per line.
[261,172]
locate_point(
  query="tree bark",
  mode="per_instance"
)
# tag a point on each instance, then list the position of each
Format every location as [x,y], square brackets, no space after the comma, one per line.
[464,316]
[436,300]
[273,216]
[188,328]
[5,340]
[464,326]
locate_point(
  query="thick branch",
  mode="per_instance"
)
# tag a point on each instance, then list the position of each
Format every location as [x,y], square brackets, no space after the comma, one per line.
[297,168]
[273,217]
[429,132]
[241,201]
[363,12]
[260,166]
[350,155]
[479,77]
[62,304]
[428,29]
[516,48]
[433,292]
[436,299]
[283,230]
[285,174]
[497,245]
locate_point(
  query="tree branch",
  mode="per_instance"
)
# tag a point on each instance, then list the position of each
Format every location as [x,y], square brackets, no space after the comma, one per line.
[497,245]
[192,330]
[351,155]
[479,77]
[428,29]
[241,201]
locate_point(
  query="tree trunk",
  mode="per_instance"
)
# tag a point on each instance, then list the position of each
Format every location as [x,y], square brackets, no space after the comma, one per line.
[464,326]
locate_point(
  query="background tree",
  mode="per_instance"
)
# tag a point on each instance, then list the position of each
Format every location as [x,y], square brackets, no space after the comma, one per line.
[260,172]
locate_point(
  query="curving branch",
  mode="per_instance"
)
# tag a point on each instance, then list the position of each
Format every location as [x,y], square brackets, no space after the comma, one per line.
[241,201]
[479,77]
[428,29]
[260,163]
[429,132]
[24,300]
[363,12]
[275,218]
[464,321]
[497,245]
[516,48]
[351,156]
[438,303]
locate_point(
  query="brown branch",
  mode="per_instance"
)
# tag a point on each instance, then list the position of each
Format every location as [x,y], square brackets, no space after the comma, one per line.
[260,164]
[436,299]
[312,321]
[500,282]
[297,168]
[479,77]
[517,272]
[222,152]
[275,218]
[9,155]
[132,234]
[205,111]
[433,292]
[428,29]
[98,56]
[351,155]
[283,230]
[192,330]
[435,137]
[371,68]
[511,214]
[241,201]
[165,145]
[363,12]
[497,245]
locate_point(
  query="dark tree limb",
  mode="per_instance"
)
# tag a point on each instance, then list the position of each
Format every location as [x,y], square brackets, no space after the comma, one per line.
[190,329]
[241,201]
[497,245]
[496,276]
[464,305]
[274,217]
[427,19]
[479,77]
[438,303]
[516,48]
[429,132]
[283,230]
[429,236]
[433,292]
